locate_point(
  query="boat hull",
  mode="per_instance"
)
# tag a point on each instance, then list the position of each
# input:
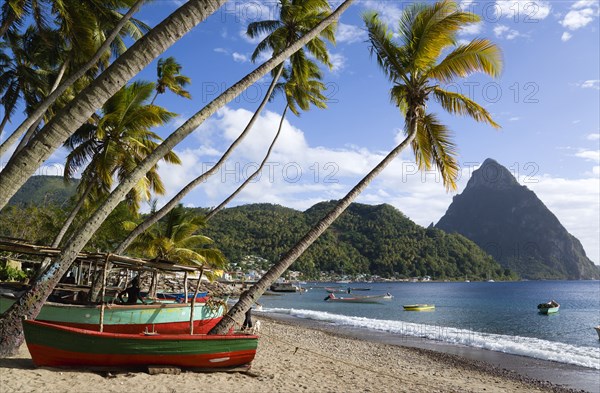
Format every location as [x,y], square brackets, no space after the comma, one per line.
[419,307]
[159,317]
[549,310]
[60,346]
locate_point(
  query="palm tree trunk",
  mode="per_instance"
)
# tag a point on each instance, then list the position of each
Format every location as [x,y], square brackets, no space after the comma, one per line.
[30,303]
[217,209]
[154,98]
[190,186]
[66,225]
[59,90]
[248,298]
[21,166]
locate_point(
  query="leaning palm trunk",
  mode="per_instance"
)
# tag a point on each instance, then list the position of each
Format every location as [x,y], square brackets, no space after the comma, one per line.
[24,164]
[59,90]
[217,209]
[30,303]
[249,297]
[153,218]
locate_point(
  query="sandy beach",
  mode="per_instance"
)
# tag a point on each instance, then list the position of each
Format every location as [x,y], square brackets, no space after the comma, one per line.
[290,359]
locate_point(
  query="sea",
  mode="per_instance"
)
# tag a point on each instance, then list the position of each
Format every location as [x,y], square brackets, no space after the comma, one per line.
[497,316]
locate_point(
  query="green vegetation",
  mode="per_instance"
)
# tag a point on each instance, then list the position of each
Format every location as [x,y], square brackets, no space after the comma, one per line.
[44,191]
[370,240]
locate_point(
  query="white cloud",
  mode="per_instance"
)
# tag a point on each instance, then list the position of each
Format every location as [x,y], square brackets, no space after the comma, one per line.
[515,118]
[471,29]
[566,36]
[531,10]
[590,155]
[593,137]
[221,50]
[239,58]
[350,34]
[576,19]
[388,11]
[338,62]
[503,31]
[590,84]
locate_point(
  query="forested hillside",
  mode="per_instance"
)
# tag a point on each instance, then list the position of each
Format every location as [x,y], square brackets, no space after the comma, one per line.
[366,239]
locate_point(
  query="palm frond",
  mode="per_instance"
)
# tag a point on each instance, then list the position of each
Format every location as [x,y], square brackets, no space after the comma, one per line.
[479,55]
[459,104]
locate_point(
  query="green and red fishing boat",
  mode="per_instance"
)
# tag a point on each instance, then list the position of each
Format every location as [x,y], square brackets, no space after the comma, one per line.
[52,345]
[158,317]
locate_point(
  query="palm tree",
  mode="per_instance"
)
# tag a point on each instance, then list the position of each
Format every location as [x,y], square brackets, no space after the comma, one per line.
[174,239]
[299,94]
[415,69]
[169,77]
[296,17]
[24,164]
[60,87]
[30,303]
[75,44]
[110,145]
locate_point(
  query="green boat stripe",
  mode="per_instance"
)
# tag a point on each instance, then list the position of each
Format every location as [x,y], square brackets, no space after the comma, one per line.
[69,341]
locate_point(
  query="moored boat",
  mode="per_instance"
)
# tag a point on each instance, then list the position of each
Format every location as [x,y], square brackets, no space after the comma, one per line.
[354,299]
[419,307]
[52,345]
[283,287]
[158,317]
[550,307]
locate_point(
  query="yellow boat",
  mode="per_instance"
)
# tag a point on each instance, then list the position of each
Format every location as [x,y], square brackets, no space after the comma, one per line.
[419,307]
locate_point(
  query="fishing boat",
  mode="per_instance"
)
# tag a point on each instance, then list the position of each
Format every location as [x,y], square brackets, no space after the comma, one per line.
[283,287]
[158,317]
[52,345]
[598,331]
[354,299]
[550,307]
[419,307]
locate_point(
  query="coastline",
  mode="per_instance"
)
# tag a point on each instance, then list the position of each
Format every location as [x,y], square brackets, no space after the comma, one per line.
[553,375]
[294,356]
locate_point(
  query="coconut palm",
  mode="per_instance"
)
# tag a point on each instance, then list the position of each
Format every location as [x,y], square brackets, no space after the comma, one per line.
[77,71]
[111,144]
[169,77]
[24,164]
[296,18]
[30,303]
[77,31]
[415,69]
[175,239]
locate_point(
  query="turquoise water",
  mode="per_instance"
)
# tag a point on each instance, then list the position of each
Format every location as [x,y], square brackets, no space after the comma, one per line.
[500,316]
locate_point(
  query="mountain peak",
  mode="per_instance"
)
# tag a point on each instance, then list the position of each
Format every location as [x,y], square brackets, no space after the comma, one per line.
[513,225]
[492,175]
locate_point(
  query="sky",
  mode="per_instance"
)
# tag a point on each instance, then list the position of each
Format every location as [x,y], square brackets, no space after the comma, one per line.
[546,101]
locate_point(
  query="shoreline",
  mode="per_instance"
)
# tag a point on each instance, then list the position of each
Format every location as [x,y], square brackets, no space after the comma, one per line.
[538,372]
[293,357]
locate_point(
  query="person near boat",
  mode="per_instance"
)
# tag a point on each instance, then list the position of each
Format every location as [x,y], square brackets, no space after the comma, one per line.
[133,292]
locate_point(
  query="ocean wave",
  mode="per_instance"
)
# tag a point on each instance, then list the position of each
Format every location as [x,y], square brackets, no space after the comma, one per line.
[516,345]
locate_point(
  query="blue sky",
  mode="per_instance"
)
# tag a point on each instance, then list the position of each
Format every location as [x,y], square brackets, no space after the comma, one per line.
[546,101]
